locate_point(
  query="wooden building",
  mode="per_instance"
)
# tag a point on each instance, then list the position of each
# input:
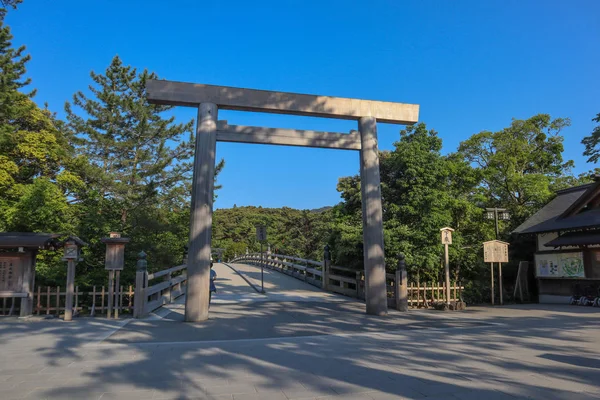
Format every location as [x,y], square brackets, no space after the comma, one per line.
[567,229]
[18,251]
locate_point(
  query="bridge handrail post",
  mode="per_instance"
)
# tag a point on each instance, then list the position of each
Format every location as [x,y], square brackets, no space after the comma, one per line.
[170,288]
[141,282]
[401,285]
[325,270]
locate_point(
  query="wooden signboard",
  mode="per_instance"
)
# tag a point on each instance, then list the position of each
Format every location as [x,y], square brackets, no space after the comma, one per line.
[11,274]
[446,235]
[495,251]
[261,233]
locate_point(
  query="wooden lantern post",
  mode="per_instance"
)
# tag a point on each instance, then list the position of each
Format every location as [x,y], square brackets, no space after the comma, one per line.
[115,260]
[446,236]
[71,256]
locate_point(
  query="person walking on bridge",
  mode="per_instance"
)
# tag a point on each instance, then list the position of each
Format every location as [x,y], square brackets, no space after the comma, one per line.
[213,277]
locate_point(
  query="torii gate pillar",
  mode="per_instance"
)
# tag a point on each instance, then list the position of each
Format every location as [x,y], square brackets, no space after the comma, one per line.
[198,270]
[373,253]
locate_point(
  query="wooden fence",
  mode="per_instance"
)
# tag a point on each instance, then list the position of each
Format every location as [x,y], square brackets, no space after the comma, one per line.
[139,301]
[51,301]
[351,282]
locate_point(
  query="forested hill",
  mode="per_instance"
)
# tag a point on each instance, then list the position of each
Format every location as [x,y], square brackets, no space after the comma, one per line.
[290,231]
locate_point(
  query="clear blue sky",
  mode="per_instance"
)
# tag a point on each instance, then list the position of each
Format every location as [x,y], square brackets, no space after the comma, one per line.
[471,65]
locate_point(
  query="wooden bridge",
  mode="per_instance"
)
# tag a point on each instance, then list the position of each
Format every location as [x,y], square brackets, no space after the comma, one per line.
[154,290]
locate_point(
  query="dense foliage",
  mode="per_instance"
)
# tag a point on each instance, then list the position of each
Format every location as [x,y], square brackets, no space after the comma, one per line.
[118,163]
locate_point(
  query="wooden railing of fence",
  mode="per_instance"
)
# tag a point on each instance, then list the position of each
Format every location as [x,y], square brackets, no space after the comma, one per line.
[51,301]
[351,282]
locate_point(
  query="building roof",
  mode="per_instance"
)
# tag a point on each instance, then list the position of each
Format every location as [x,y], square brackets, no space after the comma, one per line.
[564,212]
[27,239]
[576,239]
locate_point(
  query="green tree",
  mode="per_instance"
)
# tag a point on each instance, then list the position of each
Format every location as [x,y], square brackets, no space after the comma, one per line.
[32,149]
[422,191]
[592,143]
[519,164]
[137,166]
[135,152]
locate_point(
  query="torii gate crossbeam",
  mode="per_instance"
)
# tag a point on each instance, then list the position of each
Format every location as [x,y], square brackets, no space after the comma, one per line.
[208,99]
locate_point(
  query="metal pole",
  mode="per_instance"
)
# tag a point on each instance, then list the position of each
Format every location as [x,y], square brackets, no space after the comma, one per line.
[262,279]
[447,274]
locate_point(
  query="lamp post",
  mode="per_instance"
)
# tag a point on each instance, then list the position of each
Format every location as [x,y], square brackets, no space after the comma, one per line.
[495,214]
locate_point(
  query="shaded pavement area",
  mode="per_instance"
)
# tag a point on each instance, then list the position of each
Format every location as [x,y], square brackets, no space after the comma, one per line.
[259,347]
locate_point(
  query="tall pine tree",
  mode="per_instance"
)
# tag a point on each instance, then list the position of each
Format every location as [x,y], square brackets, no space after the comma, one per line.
[136,154]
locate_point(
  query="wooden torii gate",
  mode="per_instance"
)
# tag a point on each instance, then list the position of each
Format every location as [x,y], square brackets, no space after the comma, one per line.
[208,99]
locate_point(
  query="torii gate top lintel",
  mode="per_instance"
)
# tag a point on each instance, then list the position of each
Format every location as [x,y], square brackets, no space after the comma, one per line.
[232,98]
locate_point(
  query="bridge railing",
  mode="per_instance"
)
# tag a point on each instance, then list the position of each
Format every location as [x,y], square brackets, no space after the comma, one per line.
[307,270]
[148,298]
[351,282]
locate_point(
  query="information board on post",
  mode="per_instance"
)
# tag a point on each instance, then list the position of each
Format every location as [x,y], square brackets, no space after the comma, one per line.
[495,251]
[261,233]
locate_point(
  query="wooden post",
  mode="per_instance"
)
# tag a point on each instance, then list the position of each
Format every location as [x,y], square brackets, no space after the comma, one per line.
[69,290]
[500,282]
[412,295]
[93,310]
[492,274]
[39,300]
[76,300]
[102,300]
[121,298]
[447,270]
[130,294]
[455,296]
[116,292]
[47,300]
[418,292]
[111,292]
[432,294]
[57,301]
[196,302]
[358,280]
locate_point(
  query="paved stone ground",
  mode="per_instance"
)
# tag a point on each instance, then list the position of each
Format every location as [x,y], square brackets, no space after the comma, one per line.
[268,347]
